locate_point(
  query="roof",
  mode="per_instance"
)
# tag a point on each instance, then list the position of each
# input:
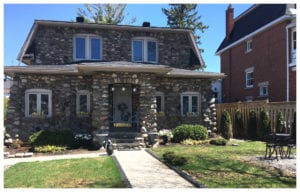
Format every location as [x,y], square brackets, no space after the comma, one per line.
[37,23]
[254,19]
[118,66]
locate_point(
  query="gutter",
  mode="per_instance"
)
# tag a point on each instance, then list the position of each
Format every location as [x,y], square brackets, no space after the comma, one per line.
[282,18]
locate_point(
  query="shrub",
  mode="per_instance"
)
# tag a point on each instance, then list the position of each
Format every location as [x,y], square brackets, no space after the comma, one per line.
[195,132]
[49,149]
[174,159]
[43,137]
[264,122]
[279,122]
[239,124]
[226,126]
[252,122]
[218,141]
[293,130]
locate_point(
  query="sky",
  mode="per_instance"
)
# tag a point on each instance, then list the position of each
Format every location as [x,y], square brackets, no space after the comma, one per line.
[19,18]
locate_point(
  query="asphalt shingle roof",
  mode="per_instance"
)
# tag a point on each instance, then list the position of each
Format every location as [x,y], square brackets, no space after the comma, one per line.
[258,16]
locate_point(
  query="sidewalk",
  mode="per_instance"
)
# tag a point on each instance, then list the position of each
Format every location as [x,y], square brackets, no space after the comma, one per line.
[144,171]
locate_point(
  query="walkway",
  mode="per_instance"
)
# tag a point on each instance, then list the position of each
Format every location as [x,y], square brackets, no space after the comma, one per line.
[144,171]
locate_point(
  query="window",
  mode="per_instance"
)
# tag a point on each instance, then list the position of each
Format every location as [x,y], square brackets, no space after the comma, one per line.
[144,50]
[249,77]
[160,102]
[248,46]
[189,103]
[83,102]
[38,102]
[294,46]
[263,89]
[87,47]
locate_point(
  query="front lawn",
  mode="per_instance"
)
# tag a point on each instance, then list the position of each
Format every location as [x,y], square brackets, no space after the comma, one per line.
[225,167]
[100,172]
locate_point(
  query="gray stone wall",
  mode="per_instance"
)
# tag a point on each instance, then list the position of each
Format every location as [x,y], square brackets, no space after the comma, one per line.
[65,87]
[53,45]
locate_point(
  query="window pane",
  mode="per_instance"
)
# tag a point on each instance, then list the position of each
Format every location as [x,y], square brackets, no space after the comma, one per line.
[45,104]
[32,104]
[294,40]
[83,103]
[80,48]
[151,51]
[158,103]
[195,104]
[185,104]
[95,48]
[137,50]
[249,79]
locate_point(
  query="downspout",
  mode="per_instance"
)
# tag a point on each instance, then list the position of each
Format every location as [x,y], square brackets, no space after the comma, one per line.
[287,66]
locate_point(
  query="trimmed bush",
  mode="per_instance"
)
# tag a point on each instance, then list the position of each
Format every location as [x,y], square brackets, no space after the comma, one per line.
[239,124]
[218,141]
[279,122]
[252,123]
[264,122]
[226,126]
[173,159]
[195,132]
[58,138]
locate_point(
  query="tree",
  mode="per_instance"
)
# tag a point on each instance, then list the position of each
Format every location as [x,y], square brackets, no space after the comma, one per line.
[264,122]
[279,123]
[226,126]
[252,123]
[104,13]
[239,124]
[185,16]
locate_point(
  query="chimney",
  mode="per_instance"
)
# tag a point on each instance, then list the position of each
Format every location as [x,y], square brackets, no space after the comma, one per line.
[79,19]
[229,21]
[146,24]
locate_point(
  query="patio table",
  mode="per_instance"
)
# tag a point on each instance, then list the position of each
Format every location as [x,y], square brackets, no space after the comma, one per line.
[280,144]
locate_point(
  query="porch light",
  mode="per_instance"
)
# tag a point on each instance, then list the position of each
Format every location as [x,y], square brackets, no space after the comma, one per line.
[123,88]
[134,89]
[112,88]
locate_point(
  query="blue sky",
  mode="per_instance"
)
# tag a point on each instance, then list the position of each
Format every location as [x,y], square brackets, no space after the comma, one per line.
[18,19]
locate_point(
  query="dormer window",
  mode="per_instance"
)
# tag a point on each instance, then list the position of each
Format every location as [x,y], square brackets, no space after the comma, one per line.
[87,47]
[248,46]
[144,49]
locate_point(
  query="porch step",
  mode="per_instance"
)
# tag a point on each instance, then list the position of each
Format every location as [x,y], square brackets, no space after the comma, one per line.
[126,140]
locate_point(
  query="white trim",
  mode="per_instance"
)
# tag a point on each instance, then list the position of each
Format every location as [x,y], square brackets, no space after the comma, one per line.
[145,41]
[88,94]
[38,92]
[162,96]
[254,33]
[189,95]
[88,50]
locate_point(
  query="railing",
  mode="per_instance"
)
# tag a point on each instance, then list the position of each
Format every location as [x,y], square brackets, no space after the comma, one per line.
[287,108]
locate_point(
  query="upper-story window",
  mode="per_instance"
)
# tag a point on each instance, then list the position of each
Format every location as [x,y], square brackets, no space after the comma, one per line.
[293,44]
[249,77]
[38,103]
[249,45]
[87,47]
[144,49]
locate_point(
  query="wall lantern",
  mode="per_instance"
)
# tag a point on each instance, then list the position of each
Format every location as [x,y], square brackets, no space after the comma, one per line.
[123,88]
[112,88]
[134,89]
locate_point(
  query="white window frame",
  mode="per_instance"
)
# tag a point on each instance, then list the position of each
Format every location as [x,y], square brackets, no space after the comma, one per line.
[248,71]
[144,41]
[162,104]
[88,94]
[189,95]
[249,45]
[38,92]
[293,48]
[263,86]
[88,48]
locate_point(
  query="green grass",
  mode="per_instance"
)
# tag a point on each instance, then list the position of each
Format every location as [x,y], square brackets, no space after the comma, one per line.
[100,172]
[225,167]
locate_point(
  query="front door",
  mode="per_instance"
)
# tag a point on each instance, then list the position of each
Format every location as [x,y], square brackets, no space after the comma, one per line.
[122,107]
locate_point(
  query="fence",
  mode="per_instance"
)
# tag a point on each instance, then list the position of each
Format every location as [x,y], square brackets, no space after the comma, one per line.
[287,108]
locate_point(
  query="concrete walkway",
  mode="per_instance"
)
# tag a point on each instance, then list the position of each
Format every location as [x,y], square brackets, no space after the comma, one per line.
[144,171]
[141,169]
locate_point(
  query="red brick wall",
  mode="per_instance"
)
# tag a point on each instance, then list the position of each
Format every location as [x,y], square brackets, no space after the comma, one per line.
[268,57]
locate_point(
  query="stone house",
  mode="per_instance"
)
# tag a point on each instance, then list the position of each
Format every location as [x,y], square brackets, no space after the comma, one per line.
[97,78]
[258,54]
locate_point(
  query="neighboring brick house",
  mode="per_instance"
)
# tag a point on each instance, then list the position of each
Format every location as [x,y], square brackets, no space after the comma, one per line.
[100,78]
[258,54]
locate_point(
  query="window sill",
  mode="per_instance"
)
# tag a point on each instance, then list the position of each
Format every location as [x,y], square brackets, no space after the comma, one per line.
[248,51]
[249,87]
